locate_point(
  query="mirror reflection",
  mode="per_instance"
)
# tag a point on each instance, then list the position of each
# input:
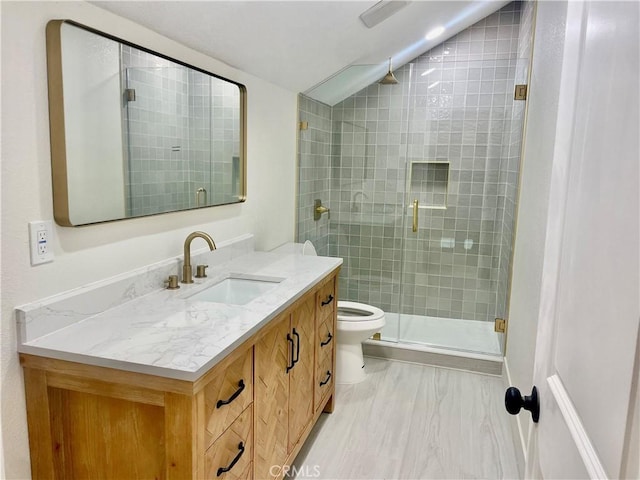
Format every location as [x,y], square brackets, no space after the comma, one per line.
[136,133]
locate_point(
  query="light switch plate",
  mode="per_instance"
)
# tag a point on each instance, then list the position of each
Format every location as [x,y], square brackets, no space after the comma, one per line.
[41,241]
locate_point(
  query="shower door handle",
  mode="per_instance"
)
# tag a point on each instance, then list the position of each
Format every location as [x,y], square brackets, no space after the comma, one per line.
[415,215]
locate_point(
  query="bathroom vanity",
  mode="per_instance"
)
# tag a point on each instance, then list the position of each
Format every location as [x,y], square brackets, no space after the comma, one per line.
[169,387]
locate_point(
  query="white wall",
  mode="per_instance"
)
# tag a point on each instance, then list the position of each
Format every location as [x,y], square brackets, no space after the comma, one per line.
[93,136]
[94,252]
[533,203]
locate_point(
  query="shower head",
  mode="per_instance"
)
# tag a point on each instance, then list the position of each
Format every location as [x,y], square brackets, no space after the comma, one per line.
[389,78]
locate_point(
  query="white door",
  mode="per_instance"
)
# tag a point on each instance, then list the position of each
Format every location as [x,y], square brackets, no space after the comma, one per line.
[589,317]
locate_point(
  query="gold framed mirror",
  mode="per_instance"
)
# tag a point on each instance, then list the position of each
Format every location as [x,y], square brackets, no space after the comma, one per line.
[135,132]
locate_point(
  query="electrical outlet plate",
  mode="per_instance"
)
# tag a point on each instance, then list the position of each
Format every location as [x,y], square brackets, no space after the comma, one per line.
[41,241]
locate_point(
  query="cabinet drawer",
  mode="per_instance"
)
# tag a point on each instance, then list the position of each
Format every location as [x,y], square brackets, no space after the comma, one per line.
[326,299]
[233,450]
[324,380]
[325,339]
[227,396]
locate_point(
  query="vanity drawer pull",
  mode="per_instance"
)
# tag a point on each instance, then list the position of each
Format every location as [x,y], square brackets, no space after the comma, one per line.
[289,367]
[327,301]
[297,335]
[222,470]
[322,384]
[241,386]
[327,341]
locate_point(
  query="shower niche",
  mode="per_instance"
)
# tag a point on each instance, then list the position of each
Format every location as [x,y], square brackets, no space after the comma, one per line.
[428,182]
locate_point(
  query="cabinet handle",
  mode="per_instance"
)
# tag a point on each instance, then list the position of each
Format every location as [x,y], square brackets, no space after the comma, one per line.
[297,347]
[328,300]
[290,340]
[322,384]
[328,341]
[222,470]
[232,397]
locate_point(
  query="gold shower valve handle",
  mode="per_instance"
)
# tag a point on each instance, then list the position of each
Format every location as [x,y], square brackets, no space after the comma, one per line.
[319,209]
[415,215]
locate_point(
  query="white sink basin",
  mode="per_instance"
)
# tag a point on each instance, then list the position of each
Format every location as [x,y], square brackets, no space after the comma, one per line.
[237,290]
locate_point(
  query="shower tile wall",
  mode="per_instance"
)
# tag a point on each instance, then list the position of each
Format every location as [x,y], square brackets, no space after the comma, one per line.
[314,171]
[367,169]
[158,134]
[452,105]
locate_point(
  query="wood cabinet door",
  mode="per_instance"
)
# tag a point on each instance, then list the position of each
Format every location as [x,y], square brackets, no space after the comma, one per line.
[271,401]
[301,375]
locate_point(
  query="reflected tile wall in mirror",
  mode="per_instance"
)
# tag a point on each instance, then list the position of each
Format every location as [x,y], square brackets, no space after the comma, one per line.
[172,123]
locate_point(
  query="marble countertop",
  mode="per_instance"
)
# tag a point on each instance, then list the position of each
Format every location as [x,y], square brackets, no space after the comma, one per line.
[165,333]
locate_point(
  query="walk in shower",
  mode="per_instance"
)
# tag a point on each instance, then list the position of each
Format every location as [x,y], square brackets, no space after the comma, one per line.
[421,180]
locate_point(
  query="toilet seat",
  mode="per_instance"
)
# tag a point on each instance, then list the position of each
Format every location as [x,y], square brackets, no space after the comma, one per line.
[353,316]
[357,312]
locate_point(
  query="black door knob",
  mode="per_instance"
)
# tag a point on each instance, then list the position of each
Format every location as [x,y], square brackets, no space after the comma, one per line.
[514,401]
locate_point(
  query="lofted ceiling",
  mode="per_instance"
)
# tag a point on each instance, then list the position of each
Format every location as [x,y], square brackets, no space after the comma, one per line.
[299,45]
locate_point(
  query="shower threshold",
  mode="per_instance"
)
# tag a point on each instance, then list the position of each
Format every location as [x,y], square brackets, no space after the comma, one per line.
[449,333]
[447,342]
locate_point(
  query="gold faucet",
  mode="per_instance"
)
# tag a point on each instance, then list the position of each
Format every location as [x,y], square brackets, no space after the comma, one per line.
[187,274]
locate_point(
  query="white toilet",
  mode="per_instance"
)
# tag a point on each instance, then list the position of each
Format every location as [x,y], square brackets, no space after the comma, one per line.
[356,323]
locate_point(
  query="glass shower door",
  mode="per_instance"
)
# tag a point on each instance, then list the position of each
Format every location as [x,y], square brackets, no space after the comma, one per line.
[456,252]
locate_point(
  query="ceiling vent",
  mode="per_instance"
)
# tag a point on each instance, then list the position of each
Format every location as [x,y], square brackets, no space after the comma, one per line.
[381,11]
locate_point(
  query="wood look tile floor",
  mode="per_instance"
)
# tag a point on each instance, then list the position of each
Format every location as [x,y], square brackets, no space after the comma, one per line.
[409,421]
